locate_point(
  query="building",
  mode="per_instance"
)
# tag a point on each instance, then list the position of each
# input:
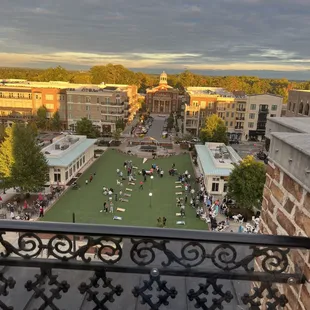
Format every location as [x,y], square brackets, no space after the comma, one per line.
[285,124]
[103,106]
[251,112]
[162,99]
[21,100]
[286,202]
[66,156]
[201,102]
[298,103]
[215,162]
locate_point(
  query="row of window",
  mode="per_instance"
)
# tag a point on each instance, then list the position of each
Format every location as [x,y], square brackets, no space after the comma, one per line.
[215,187]
[302,108]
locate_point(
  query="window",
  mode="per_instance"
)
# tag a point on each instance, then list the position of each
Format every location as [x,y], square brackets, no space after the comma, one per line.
[69,107]
[226,123]
[49,97]
[87,99]
[67,175]
[233,106]
[253,107]
[29,96]
[118,100]
[84,159]
[210,105]
[231,123]
[88,116]
[301,108]
[225,188]
[87,107]
[70,172]
[227,114]
[70,115]
[74,168]
[81,162]
[78,165]
[228,106]
[215,187]
[79,99]
[274,107]
[232,114]
[251,125]
[107,100]
[187,113]
[37,97]
[294,104]
[50,106]
[57,175]
[0,95]
[97,99]
[306,109]
[251,115]
[69,98]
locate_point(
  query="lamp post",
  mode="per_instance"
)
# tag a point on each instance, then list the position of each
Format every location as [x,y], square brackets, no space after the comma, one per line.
[150,195]
[152,177]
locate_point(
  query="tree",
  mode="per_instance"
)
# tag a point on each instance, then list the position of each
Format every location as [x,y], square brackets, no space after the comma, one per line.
[116,135]
[214,130]
[30,168]
[120,124]
[42,120]
[6,154]
[56,122]
[246,183]
[34,127]
[85,127]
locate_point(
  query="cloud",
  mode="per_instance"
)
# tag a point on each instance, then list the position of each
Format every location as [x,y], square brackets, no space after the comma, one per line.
[249,34]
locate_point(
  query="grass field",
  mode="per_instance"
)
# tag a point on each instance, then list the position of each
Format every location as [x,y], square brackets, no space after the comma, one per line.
[87,201]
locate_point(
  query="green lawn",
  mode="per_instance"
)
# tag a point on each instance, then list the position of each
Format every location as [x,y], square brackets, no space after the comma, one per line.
[87,202]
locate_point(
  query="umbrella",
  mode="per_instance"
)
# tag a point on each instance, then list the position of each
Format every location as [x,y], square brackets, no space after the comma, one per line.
[144,160]
[40,197]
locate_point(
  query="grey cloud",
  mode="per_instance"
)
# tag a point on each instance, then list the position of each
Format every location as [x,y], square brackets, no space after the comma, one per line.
[228,31]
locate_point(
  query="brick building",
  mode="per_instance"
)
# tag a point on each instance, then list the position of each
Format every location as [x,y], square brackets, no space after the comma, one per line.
[162,99]
[103,106]
[286,202]
[298,103]
[201,102]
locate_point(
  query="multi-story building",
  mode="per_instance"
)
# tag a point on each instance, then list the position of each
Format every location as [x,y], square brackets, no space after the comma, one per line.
[104,106]
[162,99]
[298,103]
[257,109]
[286,202]
[246,117]
[202,102]
[21,100]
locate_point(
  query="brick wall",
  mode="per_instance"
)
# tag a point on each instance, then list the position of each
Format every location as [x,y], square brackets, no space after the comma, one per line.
[286,211]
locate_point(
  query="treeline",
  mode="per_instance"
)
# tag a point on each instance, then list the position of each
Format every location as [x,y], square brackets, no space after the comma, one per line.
[120,75]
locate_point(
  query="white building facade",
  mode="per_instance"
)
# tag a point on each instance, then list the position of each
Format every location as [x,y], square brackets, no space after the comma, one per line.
[215,162]
[66,157]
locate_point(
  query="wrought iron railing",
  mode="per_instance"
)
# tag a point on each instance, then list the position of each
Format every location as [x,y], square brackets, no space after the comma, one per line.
[78,266]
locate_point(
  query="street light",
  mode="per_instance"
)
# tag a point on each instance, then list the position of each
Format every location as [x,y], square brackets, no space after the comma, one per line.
[152,177]
[150,195]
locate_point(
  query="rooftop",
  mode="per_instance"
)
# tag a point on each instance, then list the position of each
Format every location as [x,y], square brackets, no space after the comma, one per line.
[66,149]
[299,141]
[217,158]
[204,91]
[298,124]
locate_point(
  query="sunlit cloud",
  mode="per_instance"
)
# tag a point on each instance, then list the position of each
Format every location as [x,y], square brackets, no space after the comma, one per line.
[146,60]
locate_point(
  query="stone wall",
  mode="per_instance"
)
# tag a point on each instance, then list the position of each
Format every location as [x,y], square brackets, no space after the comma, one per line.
[286,211]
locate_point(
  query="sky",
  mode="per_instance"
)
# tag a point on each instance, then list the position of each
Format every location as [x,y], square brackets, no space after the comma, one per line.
[253,37]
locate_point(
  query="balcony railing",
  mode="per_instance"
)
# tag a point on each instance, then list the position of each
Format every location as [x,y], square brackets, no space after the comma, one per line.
[241,109]
[82,266]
